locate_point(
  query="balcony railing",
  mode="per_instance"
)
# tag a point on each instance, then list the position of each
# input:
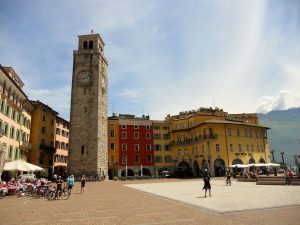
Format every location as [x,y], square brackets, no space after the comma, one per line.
[194,140]
[25,145]
[47,148]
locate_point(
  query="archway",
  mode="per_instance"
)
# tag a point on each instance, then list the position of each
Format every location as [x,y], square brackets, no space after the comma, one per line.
[196,168]
[261,160]
[219,167]
[203,166]
[237,161]
[251,160]
[129,173]
[146,172]
[183,169]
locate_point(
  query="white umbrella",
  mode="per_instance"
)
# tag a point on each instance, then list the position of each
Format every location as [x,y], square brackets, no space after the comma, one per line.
[20,165]
[239,166]
[16,165]
[273,164]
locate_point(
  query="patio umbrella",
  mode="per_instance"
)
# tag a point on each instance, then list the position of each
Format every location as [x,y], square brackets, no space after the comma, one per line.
[273,164]
[17,165]
[239,166]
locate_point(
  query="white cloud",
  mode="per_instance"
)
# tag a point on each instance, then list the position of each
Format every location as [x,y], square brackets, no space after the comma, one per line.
[278,102]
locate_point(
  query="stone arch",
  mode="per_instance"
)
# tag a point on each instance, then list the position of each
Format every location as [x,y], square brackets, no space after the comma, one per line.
[146,172]
[91,44]
[237,161]
[251,160]
[85,45]
[130,172]
[183,169]
[219,166]
[261,160]
[203,165]
[196,168]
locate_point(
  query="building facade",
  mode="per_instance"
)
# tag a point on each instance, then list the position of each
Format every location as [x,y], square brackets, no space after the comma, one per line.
[61,146]
[88,119]
[210,138]
[135,145]
[43,136]
[15,116]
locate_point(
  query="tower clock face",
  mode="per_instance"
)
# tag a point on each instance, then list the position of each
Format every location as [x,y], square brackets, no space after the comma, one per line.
[84,78]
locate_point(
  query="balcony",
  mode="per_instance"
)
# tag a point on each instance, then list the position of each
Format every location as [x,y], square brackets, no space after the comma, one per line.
[47,148]
[25,145]
[194,140]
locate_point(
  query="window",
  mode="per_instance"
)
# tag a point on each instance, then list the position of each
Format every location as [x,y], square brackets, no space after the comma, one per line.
[217,147]
[252,148]
[112,146]
[85,45]
[10,151]
[44,117]
[157,159]
[82,149]
[149,158]
[166,147]
[136,147]
[247,147]
[136,135]
[166,136]
[240,147]
[123,126]
[246,133]
[165,128]
[124,159]
[43,130]
[237,132]
[57,144]
[148,135]
[57,131]
[157,147]
[12,132]
[186,152]
[231,147]
[136,127]
[91,45]
[156,136]
[148,147]
[136,158]
[229,132]
[168,159]
[124,135]
[124,147]
[112,159]
[156,127]
[147,127]
[179,152]
[258,148]
[112,133]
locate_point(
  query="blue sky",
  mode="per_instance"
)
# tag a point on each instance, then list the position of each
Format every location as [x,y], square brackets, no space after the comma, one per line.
[164,56]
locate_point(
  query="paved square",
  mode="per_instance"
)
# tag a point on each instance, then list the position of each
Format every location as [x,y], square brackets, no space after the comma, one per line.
[240,196]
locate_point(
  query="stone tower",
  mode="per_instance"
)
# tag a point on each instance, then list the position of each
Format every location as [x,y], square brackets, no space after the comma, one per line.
[88,118]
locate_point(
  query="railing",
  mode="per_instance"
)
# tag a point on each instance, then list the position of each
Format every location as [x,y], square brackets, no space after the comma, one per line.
[25,145]
[194,140]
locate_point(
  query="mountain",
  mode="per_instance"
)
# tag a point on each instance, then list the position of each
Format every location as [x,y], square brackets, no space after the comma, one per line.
[284,135]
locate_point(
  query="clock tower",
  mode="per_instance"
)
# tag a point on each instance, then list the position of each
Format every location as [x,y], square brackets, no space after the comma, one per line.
[88,119]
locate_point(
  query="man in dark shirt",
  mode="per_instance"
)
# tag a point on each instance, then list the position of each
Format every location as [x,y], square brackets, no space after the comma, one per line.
[59,183]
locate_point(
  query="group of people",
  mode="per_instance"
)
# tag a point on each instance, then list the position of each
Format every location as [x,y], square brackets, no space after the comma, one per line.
[69,183]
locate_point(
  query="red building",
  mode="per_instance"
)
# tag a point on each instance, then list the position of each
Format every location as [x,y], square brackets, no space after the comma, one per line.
[135,147]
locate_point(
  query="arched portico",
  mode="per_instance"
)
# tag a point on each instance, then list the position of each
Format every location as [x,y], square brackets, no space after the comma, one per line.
[219,167]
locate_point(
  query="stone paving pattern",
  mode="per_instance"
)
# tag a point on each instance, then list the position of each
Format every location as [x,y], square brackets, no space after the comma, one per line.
[110,202]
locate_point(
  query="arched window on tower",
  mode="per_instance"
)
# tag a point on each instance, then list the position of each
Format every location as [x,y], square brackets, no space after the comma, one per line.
[82,149]
[91,45]
[85,45]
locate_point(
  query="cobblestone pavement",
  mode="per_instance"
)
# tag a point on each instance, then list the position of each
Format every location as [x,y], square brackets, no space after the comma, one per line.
[112,202]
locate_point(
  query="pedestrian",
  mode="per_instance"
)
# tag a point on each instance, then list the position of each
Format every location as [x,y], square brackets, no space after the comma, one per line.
[83,180]
[59,183]
[290,175]
[70,183]
[206,179]
[228,176]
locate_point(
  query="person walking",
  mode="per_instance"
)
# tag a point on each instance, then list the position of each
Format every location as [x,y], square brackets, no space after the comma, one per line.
[206,179]
[83,180]
[70,183]
[228,176]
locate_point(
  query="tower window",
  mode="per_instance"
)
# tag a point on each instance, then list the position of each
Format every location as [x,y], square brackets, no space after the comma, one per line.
[82,149]
[91,45]
[85,45]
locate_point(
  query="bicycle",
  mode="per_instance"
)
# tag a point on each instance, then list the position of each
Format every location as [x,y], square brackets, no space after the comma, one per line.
[60,194]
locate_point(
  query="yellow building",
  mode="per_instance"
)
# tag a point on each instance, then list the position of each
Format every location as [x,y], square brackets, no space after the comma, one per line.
[42,136]
[163,158]
[113,145]
[15,116]
[210,138]
[61,146]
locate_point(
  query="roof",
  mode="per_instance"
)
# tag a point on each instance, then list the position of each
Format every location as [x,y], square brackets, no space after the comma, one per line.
[60,118]
[42,104]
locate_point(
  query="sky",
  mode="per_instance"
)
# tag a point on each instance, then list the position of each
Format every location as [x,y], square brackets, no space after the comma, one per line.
[165,56]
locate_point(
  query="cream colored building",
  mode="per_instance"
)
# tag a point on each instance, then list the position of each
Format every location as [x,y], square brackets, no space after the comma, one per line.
[61,146]
[15,115]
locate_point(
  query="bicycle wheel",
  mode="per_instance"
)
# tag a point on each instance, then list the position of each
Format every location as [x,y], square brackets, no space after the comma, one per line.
[65,195]
[51,195]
